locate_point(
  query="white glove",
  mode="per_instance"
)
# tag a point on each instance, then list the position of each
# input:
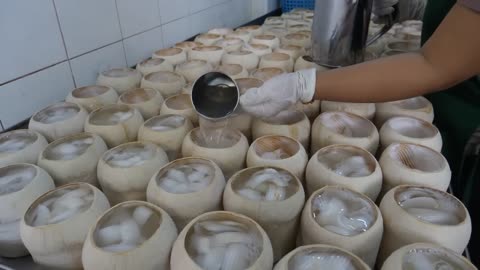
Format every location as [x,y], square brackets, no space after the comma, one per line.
[407,9]
[279,93]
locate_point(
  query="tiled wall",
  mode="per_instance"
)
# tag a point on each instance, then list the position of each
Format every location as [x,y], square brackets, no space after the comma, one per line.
[50,47]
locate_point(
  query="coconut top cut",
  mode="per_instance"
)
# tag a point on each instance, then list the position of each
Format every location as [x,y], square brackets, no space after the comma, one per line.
[323,258]
[247,83]
[249,28]
[186,176]
[230,69]
[276,57]
[68,148]
[343,212]
[215,138]
[188,44]
[207,48]
[138,95]
[276,147]
[265,37]
[347,124]
[412,127]
[57,113]
[120,72]
[415,103]
[266,74]
[111,115]
[192,64]
[416,157]
[152,62]
[434,258]
[90,91]
[163,77]
[179,102]
[220,31]
[430,205]
[165,122]
[130,154]
[16,140]
[168,52]
[347,161]
[14,178]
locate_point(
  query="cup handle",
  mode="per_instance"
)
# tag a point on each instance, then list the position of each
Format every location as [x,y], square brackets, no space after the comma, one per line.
[390,21]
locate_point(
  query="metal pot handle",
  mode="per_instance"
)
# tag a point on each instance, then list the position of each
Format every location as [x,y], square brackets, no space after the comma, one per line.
[390,19]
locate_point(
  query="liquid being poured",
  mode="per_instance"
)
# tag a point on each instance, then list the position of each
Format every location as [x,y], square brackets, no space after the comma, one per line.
[313,259]
[215,134]
[433,259]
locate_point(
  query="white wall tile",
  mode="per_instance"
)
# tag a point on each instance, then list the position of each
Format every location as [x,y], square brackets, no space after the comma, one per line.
[172,10]
[85,68]
[205,20]
[141,46]
[176,31]
[137,16]
[88,24]
[198,5]
[21,98]
[31,38]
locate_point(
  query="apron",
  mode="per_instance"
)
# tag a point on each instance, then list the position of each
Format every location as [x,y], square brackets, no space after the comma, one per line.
[457,115]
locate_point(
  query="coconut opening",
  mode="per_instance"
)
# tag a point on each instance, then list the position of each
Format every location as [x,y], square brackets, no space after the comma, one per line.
[430,205]
[274,20]
[417,157]
[292,48]
[68,148]
[297,36]
[186,176]
[276,31]
[287,118]
[169,52]
[89,91]
[228,138]
[17,140]
[346,160]
[342,211]
[265,184]
[276,147]
[130,154]
[57,113]
[276,57]
[241,52]
[412,127]
[14,178]
[247,83]
[224,241]
[165,122]
[151,62]
[209,36]
[433,258]
[266,74]
[111,115]
[220,31]
[126,227]
[249,28]
[415,103]
[347,124]
[138,95]
[179,102]
[188,44]
[230,69]
[119,72]
[264,37]
[207,48]
[60,205]
[192,64]
[229,41]
[163,77]
[259,46]
[315,258]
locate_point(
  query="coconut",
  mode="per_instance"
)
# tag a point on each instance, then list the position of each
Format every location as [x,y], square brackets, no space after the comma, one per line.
[21,146]
[269,40]
[131,235]
[278,151]
[292,16]
[297,39]
[58,120]
[230,44]
[266,74]
[245,58]
[279,32]
[167,131]
[187,46]
[311,110]
[193,69]
[222,240]
[275,21]
[20,185]
[252,29]
[344,128]
[120,79]
[258,49]
[342,217]
[220,31]
[63,216]
[245,84]
[187,89]
[418,107]
[277,60]
[293,50]
[208,39]
[306,62]
[153,65]
[366,110]
[218,148]
[294,124]
[116,124]
[73,158]
[235,71]
[146,100]
[182,105]
[187,188]
[173,55]
[415,214]
[124,171]
[211,54]
[244,35]
[344,165]
[165,82]
[93,97]
[271,196]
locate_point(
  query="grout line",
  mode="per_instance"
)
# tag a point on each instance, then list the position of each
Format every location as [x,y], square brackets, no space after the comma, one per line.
[33,72]
[121,32]
[146,30]
[96,49]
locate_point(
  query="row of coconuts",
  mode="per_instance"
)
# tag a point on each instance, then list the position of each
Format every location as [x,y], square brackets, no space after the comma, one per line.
[169,215]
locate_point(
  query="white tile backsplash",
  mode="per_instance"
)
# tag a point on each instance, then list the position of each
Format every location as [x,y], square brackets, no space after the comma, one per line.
[173,10]
[198,5]
[85,68]
[176,31]
[204,20]
[23,97]
[31,38]
[141,46]
[88,24]
[138,16]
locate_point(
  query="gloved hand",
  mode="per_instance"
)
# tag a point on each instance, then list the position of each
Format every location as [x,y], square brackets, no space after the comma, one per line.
[407,9]
[279,93]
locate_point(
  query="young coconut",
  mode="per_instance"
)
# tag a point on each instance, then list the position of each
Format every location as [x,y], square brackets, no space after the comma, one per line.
[187,89]
[279,32]
[230,44]
[245,36]
[344,165]
[320,257]
[410,130]
[73,158]
[146,100]
[277,60]
[293,50]
[20,185]
[342,217]
[235,71]
[413,164]
[222,240]
[275,21]
[173,55]
[306,62]
[258,49]
[311,110]
[93,97]
[211,54]
[165,82]
[208,39]
[297,39]
[252,29]
[418,107]
[271,196]
[265,74]
[246,59]
[154,65]
[426,256]
[120,79]
[124,171]
[247,83]
[56,224]
[182,105]
[218,148]
[131,235]
[187,188]
[366,110]
[21,146]
[166,131]
[294,124]
[269,40]
[58,120]
[187,46]
[344,128]
[116,124]
[292,16]
[416,214]
[278,151]
[193,69]
[220,31]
